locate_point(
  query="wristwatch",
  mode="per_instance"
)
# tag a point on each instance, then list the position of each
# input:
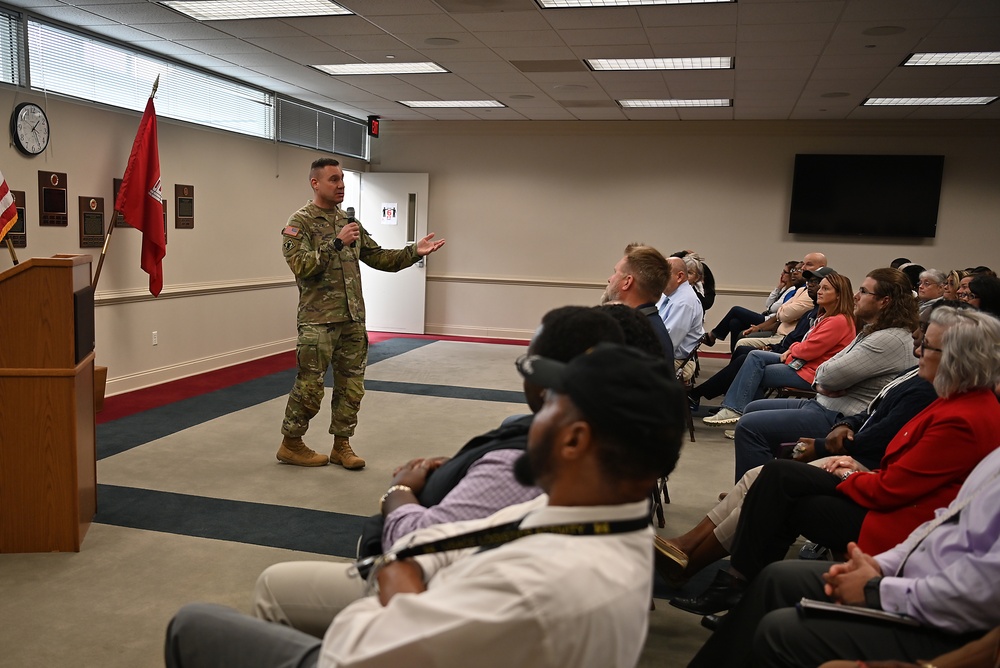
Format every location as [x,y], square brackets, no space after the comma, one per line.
[873,598]
[338,244]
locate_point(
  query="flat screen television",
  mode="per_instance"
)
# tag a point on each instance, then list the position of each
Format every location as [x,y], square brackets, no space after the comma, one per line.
[866,195]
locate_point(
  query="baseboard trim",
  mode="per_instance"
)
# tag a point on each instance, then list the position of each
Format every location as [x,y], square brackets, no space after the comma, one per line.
[478,332]
[166,374]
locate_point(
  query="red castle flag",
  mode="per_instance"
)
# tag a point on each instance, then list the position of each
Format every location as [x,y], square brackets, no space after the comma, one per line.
[140,200]
[8,209]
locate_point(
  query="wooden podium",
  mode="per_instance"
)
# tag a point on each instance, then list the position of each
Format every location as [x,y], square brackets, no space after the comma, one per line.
[48,466]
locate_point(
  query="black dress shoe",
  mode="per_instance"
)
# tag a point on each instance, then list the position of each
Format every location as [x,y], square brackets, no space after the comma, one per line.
[723,594]
[711,622]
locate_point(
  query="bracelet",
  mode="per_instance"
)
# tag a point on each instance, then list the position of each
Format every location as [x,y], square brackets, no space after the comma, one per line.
[847,475]
[394,488]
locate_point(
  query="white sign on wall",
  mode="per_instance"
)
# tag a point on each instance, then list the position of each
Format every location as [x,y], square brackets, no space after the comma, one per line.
[389,213]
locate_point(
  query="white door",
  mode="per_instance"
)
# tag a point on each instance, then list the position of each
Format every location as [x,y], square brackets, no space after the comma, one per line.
[393,208]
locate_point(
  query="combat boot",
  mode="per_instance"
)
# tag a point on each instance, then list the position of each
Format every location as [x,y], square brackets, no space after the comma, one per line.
[294,451]
[343,454]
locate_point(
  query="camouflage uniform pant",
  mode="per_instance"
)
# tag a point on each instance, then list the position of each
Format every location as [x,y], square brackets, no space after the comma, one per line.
[345,346]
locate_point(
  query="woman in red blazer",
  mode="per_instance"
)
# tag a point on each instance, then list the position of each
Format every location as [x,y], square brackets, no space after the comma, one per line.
[922,470]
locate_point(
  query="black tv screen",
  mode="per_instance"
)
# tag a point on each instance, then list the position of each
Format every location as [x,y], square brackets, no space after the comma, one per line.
[866,195]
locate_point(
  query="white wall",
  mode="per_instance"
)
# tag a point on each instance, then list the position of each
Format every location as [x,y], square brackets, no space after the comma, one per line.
[535,214]
[557,202]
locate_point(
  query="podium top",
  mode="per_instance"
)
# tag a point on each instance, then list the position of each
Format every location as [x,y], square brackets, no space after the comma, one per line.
[41,300]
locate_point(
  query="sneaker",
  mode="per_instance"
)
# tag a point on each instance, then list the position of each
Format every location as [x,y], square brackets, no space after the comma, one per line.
[343,454]
[294,451]
[709,339]
[730,434]
[724,416]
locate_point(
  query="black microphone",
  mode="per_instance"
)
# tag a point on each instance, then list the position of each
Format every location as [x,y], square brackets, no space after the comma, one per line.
[351,219]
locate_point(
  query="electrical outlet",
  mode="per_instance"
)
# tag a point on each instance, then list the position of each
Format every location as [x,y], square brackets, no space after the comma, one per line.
[155,339]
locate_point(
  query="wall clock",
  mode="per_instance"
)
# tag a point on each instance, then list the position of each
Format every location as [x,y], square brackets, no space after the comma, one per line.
[29,128]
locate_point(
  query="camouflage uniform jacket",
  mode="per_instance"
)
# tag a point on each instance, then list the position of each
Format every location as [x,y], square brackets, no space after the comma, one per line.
[329,281]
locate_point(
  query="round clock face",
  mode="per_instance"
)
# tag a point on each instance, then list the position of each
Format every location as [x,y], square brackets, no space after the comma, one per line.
[29,127]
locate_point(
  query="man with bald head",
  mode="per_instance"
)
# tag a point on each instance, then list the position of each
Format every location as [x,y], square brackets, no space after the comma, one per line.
[681,310]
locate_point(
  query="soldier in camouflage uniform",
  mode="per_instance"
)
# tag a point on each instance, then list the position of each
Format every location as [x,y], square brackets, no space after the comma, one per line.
[323,250]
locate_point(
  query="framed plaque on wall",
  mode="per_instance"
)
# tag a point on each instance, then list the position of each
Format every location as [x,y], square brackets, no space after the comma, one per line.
[184,203]
[91,222]
[53,199]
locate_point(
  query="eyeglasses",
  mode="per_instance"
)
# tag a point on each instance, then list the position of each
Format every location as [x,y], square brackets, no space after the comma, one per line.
[966,295]
[794,271]
[863,291]
[928,283]
[924,347]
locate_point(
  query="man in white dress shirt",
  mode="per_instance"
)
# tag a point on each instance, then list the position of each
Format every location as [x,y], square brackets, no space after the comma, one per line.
[682,313]
[574,591]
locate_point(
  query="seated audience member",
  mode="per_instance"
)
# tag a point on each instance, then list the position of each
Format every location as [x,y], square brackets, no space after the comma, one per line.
[963,287]
[638,281]
[723,378]
[964,292]
[681,311]
[796,367]
[930,289]
[739,318]
[912,272]
[984,294]
[611,424]
[785,319]
[700,277]
[479,479]
[773,325]
[955,277]
[899,262]
[945,576]
[981,653]
[886,313]
[636,327]
[923,467]
[863,437]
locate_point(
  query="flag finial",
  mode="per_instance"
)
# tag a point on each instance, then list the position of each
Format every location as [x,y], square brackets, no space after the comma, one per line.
[156,84]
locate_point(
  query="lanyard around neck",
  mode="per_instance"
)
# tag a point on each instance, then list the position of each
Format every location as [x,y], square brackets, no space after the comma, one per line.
[496,536]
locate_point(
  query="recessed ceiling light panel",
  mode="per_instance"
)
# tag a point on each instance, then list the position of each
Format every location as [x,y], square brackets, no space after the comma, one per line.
[619,64]
[655,104]
[558,4]
[349,69]
[926,101]
[968,58]
[229,10]
[442,104]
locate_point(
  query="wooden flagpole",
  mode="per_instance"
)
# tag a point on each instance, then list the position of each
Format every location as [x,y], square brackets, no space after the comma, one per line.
[10,247]
[114,217]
